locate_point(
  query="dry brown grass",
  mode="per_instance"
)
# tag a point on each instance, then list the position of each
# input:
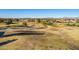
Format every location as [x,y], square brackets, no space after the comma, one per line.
[55,38]
[37,42]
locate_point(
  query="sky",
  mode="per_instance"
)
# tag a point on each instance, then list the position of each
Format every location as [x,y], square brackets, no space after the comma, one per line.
[38,13]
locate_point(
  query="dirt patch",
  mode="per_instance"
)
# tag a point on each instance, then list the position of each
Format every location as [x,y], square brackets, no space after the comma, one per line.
[52,39]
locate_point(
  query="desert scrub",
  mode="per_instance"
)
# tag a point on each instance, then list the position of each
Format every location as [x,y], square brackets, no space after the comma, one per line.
[51,24]
[71,24]
[44,23]
[77,24]
[24,24]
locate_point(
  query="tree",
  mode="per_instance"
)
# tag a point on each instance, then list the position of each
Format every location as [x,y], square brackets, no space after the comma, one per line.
[1,20]
[24,24]
[38,20]
[9,21]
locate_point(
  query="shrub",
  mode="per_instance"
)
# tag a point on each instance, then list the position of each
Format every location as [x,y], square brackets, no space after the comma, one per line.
[71,24]
[24,24]
[77,24]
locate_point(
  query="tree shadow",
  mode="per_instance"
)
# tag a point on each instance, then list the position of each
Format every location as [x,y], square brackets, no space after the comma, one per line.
[6,42]
[19,33]
[24,33]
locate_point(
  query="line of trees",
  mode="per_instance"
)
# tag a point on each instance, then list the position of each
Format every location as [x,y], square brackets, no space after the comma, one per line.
[48,21]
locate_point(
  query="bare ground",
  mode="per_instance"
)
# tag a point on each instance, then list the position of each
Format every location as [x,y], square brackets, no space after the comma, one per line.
[54,38]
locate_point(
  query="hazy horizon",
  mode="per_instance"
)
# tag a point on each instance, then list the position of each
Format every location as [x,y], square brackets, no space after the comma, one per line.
[38,13]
